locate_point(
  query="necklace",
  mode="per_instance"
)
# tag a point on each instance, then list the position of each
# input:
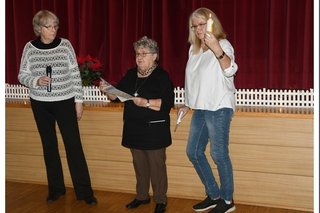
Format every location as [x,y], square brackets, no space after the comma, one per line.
[139,83]
[148,71]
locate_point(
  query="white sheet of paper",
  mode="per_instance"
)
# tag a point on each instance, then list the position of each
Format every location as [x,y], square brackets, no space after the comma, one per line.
[114,91]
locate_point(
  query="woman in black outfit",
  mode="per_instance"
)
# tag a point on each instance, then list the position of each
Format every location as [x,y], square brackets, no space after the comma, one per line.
[146,129]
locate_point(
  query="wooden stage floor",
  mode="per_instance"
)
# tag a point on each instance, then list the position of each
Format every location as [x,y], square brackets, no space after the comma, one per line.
[26,197]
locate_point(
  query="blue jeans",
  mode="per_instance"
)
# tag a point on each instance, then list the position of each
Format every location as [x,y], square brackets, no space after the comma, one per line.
[213,125]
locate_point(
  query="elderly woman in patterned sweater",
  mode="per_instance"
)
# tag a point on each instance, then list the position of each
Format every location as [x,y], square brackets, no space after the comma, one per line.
[49,68]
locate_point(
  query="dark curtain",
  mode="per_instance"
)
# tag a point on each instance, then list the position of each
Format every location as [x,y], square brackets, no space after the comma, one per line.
[273,39]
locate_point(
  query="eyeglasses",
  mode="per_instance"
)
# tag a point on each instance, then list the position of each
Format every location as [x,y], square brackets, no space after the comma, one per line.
[142,54]
[195,27]
[50,27]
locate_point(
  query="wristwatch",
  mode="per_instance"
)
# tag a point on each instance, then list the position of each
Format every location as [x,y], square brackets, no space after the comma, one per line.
[221,56]
[148,103]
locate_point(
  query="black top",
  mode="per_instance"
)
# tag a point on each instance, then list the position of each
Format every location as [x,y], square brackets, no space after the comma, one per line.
[145,128]
[40,45]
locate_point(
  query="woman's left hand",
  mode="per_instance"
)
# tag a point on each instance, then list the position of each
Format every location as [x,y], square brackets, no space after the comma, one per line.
[211,41]
[141,102]
[79,110]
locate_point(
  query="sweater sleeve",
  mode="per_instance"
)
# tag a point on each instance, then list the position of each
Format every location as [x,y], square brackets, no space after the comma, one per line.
[25,77]
[167,94]
[75,74]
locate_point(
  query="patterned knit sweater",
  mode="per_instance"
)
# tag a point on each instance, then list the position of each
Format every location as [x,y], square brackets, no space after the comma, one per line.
[66,81]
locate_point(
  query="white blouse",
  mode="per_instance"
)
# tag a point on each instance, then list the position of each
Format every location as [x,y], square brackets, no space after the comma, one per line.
[207,86]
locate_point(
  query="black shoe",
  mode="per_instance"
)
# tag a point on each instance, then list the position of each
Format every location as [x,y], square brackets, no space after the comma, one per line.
[160,208]
[91,200]
[206,204]
[222,207]
[54,196]
[135,203]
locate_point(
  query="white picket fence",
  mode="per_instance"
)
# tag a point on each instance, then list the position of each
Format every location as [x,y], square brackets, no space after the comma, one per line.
[244,97]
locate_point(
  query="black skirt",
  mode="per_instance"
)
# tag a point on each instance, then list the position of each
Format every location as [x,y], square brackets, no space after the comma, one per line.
[148,135]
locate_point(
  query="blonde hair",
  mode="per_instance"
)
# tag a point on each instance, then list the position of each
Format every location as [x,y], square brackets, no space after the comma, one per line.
[204,13]
[41,18]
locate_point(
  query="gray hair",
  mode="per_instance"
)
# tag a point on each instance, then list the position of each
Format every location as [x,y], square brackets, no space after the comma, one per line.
[146,42]
[41,18]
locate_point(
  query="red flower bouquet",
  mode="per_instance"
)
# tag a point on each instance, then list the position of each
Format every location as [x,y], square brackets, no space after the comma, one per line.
[90,70]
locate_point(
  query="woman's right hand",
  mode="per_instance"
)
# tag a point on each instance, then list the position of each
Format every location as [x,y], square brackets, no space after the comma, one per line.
[44,81]
[184,110]
[102,87]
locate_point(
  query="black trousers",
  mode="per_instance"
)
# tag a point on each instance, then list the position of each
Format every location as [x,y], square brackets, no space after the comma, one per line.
[150,166]
[46,115]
